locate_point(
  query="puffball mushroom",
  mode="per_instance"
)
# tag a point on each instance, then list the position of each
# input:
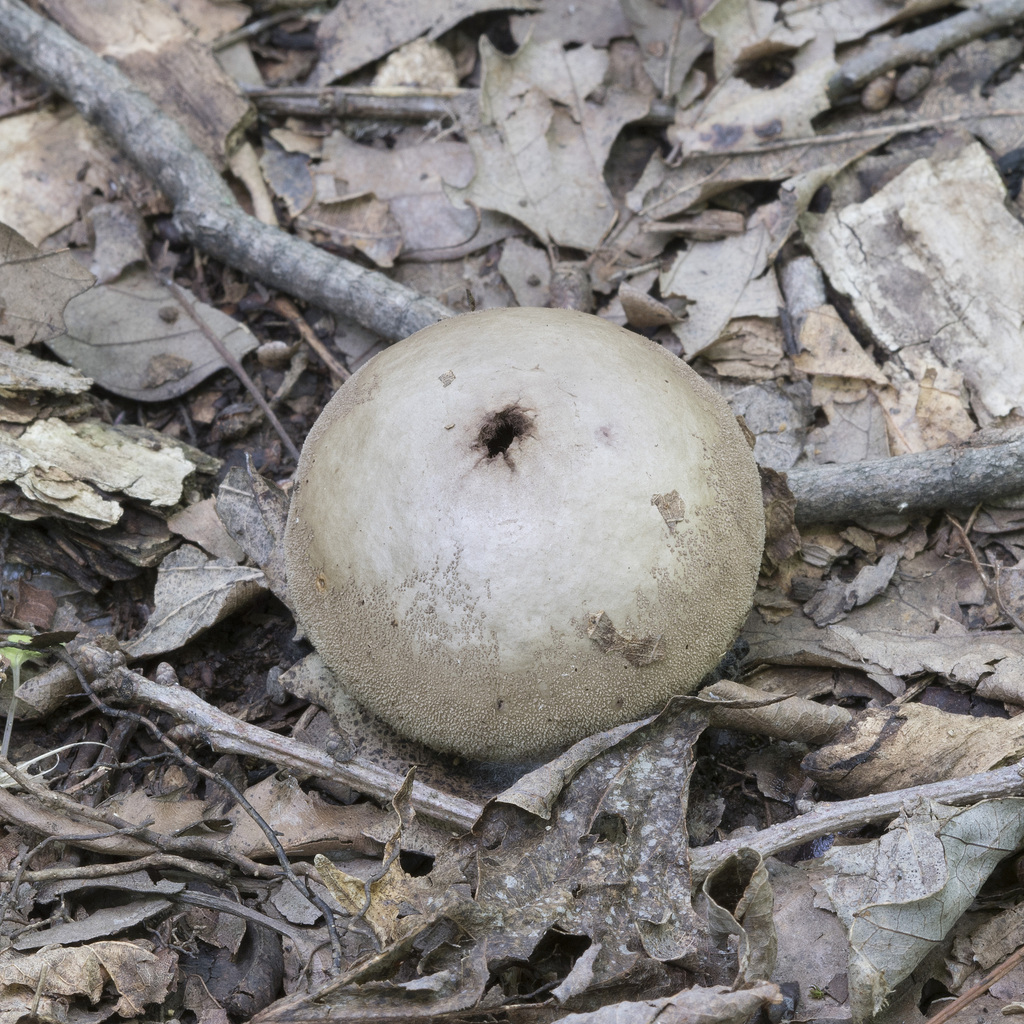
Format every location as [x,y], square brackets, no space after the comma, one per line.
[521,526]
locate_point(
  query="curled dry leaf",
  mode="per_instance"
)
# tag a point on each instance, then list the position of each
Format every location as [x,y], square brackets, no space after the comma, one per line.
[737,899]
[45,980]
[899,746]
[899,895]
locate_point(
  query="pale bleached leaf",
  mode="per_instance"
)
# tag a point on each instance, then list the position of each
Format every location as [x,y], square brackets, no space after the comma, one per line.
[193,592]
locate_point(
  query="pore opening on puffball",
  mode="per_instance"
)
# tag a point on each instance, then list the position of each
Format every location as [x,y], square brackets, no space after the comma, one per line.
[501,429]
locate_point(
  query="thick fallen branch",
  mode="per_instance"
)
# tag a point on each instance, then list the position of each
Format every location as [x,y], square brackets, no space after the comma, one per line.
[228,735]
[954,477]
[204,207]
[922,46]
[827,818]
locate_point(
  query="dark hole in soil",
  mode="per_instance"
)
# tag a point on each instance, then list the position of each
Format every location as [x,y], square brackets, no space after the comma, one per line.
[501,429]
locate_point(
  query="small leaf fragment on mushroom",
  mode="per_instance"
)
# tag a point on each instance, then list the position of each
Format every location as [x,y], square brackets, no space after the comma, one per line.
[671,507]
[636,650]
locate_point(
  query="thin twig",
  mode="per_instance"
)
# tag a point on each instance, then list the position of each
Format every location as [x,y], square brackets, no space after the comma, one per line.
[254,28]
[391,104]
[225,906]
[236,367]
[287,309]
[991,583]
[227,734]
[38,848]
[971,553]
[225,783]
[923,46]
[83,872]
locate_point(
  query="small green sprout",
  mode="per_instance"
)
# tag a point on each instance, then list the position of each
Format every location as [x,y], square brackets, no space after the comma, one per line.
[16,657]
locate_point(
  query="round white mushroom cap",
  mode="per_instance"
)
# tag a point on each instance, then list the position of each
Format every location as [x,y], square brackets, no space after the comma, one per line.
[521,526]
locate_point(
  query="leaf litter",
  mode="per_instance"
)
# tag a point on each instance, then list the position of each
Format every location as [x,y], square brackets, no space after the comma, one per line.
[666,171]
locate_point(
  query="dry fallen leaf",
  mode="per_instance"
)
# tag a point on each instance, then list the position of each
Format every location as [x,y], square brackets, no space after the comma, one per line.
[192,593]
[748,30]
[541,145]
[353,34]
[670,40]
[411,181]
[899,895]
[739,116]
[38,984]
[35,287]
[135,339]
[53,161]
[849,19]
[722,280]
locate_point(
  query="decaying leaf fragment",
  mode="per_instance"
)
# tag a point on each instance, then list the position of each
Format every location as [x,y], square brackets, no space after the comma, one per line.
[54,160]
[383,908]
[747,30]
[713,1003]
[411,182]
[900,746]
[721,280]
[353,34]
[738,116]
[37,985]
[737,899]
[606,860]
[899,895]
[637,650]
[254,511]
[35,287]
[671,41]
